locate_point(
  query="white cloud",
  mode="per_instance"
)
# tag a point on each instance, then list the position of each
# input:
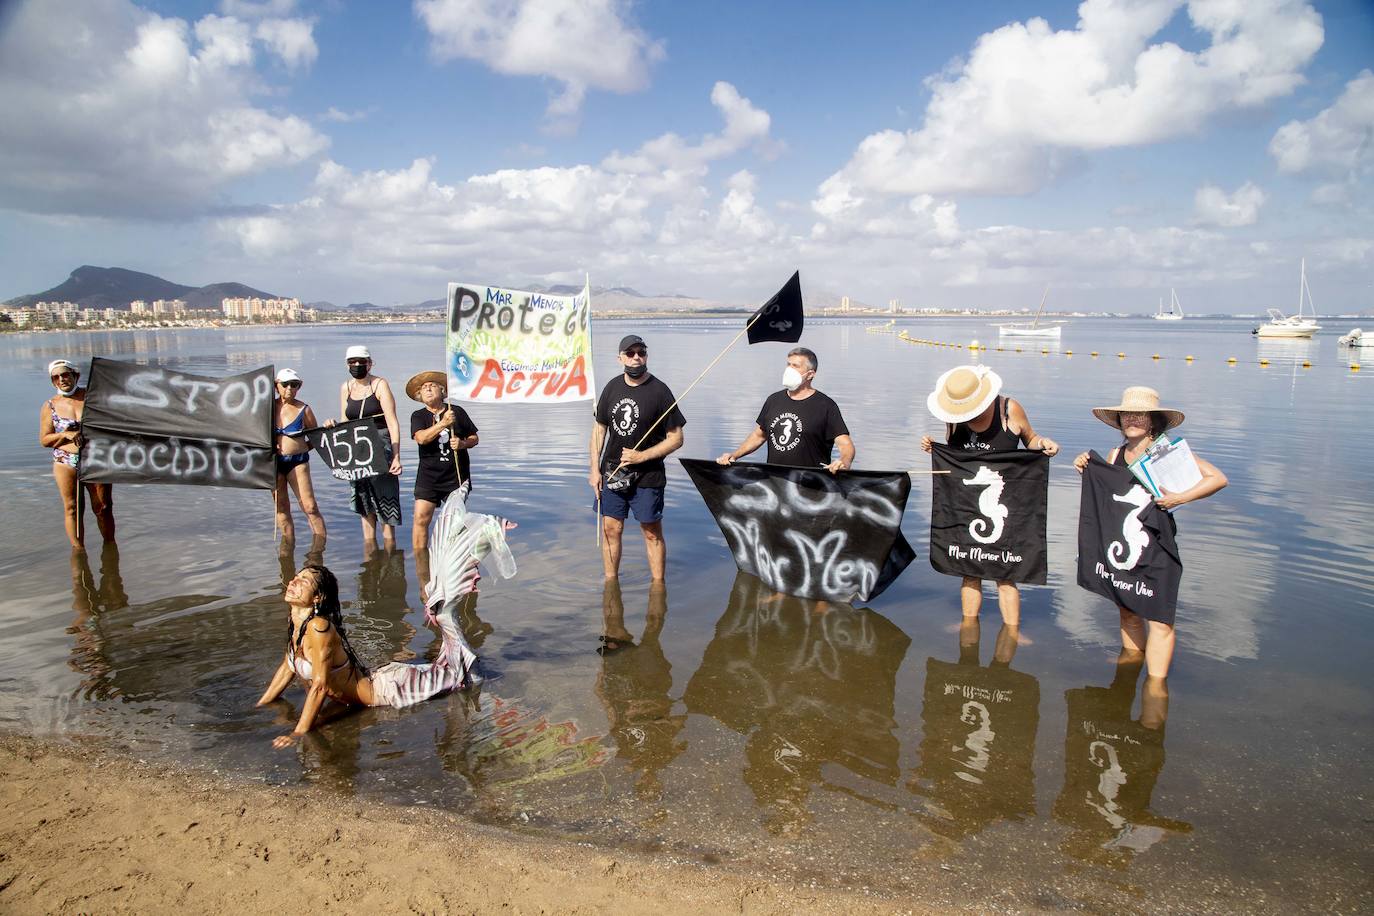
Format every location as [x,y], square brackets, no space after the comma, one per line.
[106,109]
[339,116]
[1338,142]
[1029,99]
[1214,207]
[583,44]
[292,40]
[649,208]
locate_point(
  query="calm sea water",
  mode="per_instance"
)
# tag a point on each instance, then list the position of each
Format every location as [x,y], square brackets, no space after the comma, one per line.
[876,746]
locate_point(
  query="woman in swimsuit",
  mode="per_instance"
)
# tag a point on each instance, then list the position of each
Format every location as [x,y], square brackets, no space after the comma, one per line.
[1141,421]
[290,418]
[979,418]
[374,498]
[59,429]
[318,650]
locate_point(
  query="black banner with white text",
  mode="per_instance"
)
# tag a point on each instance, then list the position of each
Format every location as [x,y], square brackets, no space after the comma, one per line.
[987,515]
[810,533]
[353,450]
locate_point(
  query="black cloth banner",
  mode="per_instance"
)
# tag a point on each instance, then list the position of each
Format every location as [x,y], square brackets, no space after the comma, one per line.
[807,532]
[149,424]
[810,685]
[1126,547]
[353,450]
[987,515]
[780,318]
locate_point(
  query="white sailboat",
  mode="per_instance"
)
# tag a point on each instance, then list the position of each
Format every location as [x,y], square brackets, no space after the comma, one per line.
[1302,325]
[1035,328]
[1175,312]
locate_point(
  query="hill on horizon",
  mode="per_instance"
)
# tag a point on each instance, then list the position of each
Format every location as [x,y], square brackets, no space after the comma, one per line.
[106,287]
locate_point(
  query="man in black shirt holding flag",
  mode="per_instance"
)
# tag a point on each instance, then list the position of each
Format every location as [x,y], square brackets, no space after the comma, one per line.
[637,426]
[801,425]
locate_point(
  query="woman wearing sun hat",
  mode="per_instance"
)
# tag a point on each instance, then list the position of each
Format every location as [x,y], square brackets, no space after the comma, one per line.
[443,433]
[376,499]
[978,417]
[1141,420]
[290,418]
[59,429]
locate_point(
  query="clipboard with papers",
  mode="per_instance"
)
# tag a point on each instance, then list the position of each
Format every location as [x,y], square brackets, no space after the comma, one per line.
[1167,465]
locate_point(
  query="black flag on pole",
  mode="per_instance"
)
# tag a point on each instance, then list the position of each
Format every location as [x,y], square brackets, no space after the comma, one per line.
[149,424]
[1126,547]
[780,318]
[809,533]
[987,515]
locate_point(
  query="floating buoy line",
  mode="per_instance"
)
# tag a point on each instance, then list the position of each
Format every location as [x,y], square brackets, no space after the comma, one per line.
[976,347]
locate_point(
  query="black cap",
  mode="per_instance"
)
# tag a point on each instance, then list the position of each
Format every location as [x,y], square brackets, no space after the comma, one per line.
[630,340]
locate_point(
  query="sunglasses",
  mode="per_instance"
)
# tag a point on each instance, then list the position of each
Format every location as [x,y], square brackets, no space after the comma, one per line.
[290,384]
[65,375]
[637,351]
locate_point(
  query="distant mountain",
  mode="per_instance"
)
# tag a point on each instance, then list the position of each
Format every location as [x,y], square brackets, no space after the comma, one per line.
[104,287]
[363,307]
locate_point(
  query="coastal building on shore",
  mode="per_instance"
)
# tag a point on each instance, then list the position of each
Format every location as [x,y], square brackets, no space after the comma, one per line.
[258,309]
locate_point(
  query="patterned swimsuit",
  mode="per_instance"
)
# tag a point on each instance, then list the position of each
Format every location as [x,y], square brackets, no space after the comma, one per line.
[61,424]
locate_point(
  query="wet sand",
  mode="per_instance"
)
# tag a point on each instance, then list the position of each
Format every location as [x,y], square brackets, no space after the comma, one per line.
[87,830]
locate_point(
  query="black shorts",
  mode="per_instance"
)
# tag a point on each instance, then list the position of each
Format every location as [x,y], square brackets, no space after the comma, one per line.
[434,496]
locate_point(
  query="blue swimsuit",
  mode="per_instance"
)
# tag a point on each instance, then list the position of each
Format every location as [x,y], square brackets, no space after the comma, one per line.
[286,462]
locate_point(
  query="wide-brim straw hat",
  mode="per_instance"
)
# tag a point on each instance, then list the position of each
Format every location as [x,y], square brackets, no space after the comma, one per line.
[419,378]
[963,393]
[1137,399]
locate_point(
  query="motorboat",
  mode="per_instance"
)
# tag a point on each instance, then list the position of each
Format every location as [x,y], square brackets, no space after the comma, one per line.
[1356,338]
[1302,325]
[1175,312]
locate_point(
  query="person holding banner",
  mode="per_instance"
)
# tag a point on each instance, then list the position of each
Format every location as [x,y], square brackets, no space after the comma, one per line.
[376,499]
[801,425]
[293,457]
[978,417]
[637,425]
[59,429]
[1149,630]
[440,430]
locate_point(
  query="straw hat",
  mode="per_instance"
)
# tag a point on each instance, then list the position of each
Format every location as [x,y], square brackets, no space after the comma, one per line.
[419,378]
[1137,399]
[963,393]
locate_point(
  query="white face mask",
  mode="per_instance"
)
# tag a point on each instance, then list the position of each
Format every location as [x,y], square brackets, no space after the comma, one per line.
[791,379]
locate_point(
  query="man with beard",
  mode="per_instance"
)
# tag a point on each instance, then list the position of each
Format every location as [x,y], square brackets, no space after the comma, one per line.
[637,426]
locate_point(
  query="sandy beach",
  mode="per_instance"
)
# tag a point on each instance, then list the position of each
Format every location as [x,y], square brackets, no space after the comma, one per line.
[89,831]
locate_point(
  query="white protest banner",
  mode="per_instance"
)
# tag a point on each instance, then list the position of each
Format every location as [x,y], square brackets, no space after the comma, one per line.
[511,346]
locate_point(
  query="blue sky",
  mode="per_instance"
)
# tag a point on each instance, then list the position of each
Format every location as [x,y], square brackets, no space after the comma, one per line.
[960,155]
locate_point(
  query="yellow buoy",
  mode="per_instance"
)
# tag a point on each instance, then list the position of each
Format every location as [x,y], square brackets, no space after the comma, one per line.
[1044,352]
[1231,361]
[1121,356]
[1264,362]
[1094,354]
[1068,353]
[1018,349]
[1307,364]
[1354,367]
[1188,358]
[1156,356]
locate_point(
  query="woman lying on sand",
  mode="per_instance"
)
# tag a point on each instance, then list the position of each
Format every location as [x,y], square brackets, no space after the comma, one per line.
[318,650]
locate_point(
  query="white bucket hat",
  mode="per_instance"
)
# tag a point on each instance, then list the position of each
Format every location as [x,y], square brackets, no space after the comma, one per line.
[357,351]
[1138,399]
[963,393]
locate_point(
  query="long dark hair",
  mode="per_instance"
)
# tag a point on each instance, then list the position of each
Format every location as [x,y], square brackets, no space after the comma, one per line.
[326,606]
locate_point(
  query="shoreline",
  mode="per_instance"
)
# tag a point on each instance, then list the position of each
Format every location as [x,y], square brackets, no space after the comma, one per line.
[91,830]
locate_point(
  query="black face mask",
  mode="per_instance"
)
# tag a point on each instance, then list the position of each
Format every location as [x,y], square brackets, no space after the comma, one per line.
[637,371]
[358,371]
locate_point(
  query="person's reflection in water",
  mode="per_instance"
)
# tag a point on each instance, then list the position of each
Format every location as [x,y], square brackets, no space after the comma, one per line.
[286,557]
[329,757]
[377,620]
[89,600]
[809,683]
[633,684]
[1111,764]
[979,737]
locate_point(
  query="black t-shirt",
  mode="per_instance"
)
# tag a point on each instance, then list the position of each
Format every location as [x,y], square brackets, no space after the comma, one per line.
[627,411]
[437,472]
[801,433]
